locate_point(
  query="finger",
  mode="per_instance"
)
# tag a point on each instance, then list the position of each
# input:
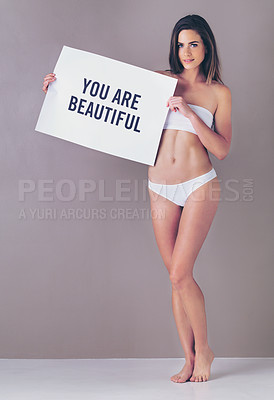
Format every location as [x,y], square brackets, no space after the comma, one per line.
[176,104]
[49,79]
[173,103]
[50,76]
[174,98]
[172,108]
[46,83]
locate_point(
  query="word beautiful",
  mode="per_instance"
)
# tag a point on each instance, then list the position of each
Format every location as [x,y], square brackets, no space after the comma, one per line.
[105,113]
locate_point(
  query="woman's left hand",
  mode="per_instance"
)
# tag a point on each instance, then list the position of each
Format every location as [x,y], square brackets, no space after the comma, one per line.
[178,103]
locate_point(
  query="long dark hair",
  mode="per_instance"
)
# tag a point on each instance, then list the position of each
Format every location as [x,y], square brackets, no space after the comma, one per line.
[211,64]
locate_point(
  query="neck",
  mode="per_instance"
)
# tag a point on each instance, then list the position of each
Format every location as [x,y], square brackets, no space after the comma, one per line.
[192,76]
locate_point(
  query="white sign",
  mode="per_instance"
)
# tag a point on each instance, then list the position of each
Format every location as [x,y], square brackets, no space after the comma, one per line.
[106,105]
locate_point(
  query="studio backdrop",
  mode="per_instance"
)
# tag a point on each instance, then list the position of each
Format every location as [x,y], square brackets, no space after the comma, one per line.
[81,274]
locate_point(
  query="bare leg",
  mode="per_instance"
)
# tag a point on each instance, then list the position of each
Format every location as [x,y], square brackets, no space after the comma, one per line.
[165,230]
[186,338]
[193,301]
[195,223]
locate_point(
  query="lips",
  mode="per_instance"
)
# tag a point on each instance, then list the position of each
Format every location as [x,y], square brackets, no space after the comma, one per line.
[189,60]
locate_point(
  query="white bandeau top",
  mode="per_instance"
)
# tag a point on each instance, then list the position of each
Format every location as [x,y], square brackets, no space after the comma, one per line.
[176,120]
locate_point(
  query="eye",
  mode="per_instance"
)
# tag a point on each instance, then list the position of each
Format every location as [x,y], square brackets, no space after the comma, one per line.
[193,44]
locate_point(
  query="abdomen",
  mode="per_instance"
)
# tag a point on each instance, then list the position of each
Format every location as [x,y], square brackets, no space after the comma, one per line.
[181,156]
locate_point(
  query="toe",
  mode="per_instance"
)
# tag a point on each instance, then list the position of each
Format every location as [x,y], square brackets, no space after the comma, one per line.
[196,379]
[192,379]
[204,378]
[200,379]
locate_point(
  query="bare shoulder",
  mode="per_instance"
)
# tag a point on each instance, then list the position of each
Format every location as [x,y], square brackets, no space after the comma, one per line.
[222,92]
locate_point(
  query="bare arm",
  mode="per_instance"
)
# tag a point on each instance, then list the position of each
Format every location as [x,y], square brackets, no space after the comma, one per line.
[218,143]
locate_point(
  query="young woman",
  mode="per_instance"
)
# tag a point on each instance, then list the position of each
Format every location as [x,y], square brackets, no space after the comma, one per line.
[183,185]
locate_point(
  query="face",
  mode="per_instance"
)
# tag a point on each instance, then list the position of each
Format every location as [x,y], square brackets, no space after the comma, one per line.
[190,47]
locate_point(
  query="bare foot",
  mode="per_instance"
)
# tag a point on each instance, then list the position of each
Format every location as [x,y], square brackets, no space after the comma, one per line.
[184,374]
[203,361]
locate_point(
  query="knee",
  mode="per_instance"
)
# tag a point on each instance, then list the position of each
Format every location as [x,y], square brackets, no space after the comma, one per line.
[180,279]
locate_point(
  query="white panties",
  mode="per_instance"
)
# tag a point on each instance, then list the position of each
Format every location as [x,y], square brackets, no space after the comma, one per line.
[178,193]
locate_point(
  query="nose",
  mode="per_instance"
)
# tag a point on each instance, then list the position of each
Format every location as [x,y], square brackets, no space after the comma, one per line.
[187,55]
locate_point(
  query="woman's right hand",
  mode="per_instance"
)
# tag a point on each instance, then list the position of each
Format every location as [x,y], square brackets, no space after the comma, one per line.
[48,78]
